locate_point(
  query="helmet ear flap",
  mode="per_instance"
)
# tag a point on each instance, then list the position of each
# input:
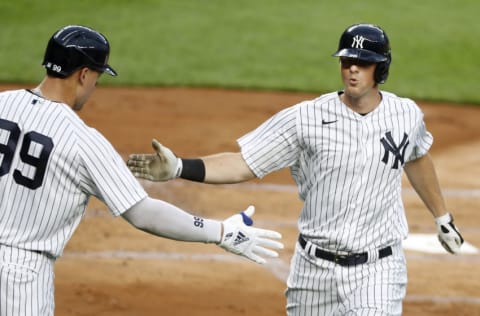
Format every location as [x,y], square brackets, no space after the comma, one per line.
[381,72]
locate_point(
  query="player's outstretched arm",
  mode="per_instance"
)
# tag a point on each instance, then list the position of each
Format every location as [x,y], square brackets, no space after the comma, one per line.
[233,234]
[164,165]
[421,174]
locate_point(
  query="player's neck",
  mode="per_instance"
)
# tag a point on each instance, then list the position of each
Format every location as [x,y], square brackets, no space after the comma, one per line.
[362,104]
[56,89]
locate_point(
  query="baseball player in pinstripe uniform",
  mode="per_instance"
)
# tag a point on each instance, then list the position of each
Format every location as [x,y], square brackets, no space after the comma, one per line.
[51,163]
[346,151]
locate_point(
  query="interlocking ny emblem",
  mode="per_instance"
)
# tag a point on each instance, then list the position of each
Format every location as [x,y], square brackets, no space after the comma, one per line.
[390,147]
[358,41]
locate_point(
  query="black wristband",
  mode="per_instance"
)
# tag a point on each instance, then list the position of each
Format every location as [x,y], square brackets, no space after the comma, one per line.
[193,169]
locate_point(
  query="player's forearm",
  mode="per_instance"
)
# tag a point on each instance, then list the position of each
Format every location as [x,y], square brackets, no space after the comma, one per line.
[226,168]
[166,220]
[421,174]
[215,169]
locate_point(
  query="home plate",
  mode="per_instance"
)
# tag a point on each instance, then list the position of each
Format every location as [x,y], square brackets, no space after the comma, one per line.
[429,243]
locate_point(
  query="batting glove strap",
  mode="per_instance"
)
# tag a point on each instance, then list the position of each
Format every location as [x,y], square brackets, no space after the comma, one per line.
[178,168]
[448,233]
[246,241]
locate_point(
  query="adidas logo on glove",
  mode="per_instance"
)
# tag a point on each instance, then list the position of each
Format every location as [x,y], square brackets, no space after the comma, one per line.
[240,238]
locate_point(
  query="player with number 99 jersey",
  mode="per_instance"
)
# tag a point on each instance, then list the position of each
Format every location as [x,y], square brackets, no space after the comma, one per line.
[47,151]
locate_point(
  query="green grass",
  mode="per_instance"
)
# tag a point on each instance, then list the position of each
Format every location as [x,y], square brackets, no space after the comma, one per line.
[267,44]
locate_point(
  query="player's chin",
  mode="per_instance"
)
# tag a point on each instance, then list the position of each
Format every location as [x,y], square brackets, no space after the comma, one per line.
[353,91]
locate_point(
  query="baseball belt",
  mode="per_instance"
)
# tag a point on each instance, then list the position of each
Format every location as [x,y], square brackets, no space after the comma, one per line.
[345,260]
[38,252]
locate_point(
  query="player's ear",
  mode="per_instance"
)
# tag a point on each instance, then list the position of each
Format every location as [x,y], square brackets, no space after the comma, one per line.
[82,74]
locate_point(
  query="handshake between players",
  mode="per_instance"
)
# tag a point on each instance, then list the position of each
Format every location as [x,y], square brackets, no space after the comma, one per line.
[238,236]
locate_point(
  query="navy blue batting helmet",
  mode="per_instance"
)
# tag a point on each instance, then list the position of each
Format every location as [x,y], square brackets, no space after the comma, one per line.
[75,46]
[367,42]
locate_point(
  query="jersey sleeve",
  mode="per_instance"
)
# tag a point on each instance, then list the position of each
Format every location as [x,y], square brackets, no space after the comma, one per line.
[422,142]
[106,176]
[272,146]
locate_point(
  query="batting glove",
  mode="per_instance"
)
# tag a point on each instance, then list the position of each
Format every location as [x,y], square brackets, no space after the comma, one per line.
[161,166]
[448,234]
[242,239]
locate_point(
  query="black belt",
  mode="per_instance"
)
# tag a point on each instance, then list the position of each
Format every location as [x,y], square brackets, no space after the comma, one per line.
[345,260]
[31,250]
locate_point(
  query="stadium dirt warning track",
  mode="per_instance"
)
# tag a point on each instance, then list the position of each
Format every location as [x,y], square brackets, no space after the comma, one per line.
[110,268]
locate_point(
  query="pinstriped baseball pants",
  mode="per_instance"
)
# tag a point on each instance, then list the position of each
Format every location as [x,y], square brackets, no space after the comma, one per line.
[26,283]
[320,287]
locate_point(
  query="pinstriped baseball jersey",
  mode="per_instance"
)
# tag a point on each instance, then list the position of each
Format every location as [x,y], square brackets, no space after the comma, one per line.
[51,162]
[347,166]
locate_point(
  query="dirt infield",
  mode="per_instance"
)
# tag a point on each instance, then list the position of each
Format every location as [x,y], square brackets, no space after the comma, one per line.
[109,268]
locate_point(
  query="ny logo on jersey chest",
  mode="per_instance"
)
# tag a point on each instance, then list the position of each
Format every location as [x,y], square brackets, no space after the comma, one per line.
[398,151]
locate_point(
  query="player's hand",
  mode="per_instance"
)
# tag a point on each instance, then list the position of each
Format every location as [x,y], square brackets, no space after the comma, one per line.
[448,234]
[161,166]
[240,238]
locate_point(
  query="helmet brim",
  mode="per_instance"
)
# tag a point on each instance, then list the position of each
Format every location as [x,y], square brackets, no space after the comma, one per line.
[109,70]
[361,54]
[104,69]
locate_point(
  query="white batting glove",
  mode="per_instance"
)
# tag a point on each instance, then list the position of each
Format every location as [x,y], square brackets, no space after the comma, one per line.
[242,239]
[448,234]
[161,166]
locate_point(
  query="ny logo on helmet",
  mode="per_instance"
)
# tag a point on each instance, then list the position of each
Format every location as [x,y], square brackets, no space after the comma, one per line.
[358,41]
